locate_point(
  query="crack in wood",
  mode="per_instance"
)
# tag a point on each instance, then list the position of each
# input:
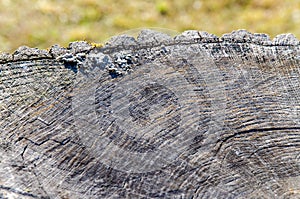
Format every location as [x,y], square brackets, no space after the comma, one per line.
[223,140]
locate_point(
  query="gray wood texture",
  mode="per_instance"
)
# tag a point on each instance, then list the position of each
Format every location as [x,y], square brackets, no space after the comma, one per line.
[195,116]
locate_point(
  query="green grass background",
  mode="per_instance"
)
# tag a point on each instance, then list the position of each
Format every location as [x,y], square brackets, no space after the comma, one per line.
[42,23]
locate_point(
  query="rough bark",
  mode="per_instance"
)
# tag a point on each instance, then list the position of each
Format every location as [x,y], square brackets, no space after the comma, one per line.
[193,116]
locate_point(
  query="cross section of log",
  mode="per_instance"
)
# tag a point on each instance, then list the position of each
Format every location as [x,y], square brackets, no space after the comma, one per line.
[195,116]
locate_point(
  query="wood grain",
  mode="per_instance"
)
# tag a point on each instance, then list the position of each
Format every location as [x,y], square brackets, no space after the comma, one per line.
[195,116]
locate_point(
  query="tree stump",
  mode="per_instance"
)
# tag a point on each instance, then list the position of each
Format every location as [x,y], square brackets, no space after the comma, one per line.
[195,116]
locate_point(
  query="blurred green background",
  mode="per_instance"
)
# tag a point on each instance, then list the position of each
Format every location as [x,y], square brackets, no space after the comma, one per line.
[42,23]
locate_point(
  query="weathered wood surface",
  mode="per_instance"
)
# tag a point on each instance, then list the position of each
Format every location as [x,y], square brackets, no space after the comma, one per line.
[191,117]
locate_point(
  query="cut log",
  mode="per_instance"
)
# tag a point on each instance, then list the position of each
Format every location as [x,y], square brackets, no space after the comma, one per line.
[195,116]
